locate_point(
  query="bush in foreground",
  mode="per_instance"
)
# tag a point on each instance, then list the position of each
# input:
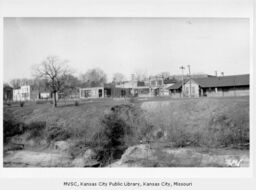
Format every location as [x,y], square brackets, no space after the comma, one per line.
[120,129]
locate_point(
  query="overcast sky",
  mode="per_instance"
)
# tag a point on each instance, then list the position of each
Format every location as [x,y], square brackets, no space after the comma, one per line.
[126,45]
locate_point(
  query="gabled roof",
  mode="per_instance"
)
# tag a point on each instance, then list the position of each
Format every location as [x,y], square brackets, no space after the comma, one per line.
[170,80]
[175,86]
[223,81]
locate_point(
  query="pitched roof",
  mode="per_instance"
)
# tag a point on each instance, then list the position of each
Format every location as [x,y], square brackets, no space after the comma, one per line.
[170,80]
[175,86]
[223,81]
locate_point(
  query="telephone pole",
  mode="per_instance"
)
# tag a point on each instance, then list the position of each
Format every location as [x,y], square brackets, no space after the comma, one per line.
[189,80]
[182,90]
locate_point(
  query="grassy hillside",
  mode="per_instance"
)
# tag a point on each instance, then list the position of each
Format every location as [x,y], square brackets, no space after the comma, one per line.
[110,126]
[202,122]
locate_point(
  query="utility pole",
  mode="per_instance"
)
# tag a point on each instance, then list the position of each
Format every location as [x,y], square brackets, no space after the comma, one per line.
[182,90]
[189,80]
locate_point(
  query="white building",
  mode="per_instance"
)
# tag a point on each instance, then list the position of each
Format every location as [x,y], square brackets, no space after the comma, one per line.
[22,94]
[93,92]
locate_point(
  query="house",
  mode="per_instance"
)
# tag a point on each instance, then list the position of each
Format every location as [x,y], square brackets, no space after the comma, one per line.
[156,83]
[27,93]
[175,90]
[124,89]
[91,92]
[119,90]
[234,85]
[8,93]
[44,95]
[22,94]
[135,88]
[168,82]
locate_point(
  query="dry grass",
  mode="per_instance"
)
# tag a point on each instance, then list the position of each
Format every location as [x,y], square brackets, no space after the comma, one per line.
[202,122]
[206,122]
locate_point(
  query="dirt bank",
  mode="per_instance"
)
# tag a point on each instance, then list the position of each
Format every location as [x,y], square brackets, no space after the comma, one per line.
[107,130]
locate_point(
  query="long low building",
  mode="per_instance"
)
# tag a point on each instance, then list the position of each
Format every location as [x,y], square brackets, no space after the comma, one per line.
[234,85]
[104,92]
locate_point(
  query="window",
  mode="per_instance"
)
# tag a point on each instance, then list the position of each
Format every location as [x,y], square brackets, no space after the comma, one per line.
[86,93]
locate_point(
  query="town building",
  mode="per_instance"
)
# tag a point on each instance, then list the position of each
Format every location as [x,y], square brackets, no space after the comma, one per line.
[156,84]
[213,86]
[26,93]
[92,92]
[7,93]
[22,94]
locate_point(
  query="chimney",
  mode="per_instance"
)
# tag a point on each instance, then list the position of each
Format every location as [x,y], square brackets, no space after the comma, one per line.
[216,73]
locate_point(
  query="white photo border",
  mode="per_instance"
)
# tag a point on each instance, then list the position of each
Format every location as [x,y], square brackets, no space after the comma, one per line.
[133,8]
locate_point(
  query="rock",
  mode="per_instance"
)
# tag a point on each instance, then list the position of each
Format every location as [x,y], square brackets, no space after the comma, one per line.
[78,162]
[89,154]
[25,158]
[81,162]
[92,163]
[138,152]
[145,156]
[62,146]
[181,158]
[88,159]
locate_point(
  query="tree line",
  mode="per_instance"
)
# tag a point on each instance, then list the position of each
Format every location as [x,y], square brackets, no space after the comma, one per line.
[55,75]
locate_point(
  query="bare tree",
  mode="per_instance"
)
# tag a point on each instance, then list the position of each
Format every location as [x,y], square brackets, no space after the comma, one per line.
[141,75]
[94,77]
[54,72]
[164,74]
[15,83]
[118,77]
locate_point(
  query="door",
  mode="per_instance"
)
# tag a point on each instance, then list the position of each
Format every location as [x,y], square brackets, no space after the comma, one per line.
[100,93]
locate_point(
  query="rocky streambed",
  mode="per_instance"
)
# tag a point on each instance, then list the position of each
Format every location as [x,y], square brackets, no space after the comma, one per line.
[143,155]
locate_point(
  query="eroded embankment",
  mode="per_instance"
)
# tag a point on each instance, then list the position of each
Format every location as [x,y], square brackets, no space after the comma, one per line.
[197,132]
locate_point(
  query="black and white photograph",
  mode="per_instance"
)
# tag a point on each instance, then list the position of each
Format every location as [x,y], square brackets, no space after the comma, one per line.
[126,92]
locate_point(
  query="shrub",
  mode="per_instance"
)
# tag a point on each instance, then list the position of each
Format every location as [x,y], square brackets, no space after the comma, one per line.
[224,131]
[178,136]
[22,104]
[36,129]
[12,128]
[76,103]
[57,134]
[111,138]
[120,129]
